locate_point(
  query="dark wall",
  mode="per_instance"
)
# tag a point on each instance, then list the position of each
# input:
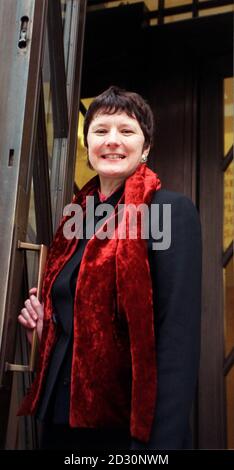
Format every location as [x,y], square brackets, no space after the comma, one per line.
[164,64]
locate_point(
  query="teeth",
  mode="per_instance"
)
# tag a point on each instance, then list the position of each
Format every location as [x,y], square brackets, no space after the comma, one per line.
[114,157]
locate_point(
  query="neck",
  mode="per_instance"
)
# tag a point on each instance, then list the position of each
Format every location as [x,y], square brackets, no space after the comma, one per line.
[108,186]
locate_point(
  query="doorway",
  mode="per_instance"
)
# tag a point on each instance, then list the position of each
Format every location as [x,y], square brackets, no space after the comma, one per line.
[182,69]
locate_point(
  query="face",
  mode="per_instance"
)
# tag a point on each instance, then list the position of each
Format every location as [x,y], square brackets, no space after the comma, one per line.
[115,145]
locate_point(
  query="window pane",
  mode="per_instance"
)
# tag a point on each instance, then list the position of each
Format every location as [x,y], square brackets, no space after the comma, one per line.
[48,101]
[151,5]
[31,237]
[176,3]
[228,222]
[82,173]
[228,114]
[173,18]
[216,11]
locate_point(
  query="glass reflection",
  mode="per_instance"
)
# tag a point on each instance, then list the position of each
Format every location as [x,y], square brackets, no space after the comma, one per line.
[82,172]
[228,221]
[176,3]
[48,101]
[228,114]
[216,11]
[181,17]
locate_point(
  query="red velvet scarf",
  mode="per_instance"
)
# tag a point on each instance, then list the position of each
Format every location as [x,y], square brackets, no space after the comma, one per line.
[113,382]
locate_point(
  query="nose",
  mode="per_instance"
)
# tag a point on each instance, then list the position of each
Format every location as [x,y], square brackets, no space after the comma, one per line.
[112,138]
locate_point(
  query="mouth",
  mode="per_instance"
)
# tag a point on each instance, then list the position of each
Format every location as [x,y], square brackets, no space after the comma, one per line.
[113,156]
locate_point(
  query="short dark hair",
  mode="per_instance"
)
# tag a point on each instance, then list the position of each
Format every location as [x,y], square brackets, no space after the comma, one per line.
[115,99]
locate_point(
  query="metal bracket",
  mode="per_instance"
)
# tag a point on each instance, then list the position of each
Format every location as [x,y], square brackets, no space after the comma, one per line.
[42,250]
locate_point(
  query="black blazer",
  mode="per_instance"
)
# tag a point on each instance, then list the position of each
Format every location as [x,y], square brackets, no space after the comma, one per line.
[176,277]
[176,282]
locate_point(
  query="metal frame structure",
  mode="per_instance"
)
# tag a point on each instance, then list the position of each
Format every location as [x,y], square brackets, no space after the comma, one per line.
[24,154]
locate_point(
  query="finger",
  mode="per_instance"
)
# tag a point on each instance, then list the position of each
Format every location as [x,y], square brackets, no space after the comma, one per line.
[26,319]
[37,306]
[30,322]
[24,322]
[30,309]
[33,290]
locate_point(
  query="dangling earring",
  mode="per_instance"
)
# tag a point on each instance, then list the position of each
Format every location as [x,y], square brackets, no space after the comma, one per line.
[144,158]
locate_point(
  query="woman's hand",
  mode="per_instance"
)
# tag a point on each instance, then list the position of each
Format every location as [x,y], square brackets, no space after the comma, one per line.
[31,316]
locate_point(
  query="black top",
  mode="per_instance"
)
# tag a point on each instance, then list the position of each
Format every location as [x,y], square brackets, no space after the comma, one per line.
[54,403]
[176,282]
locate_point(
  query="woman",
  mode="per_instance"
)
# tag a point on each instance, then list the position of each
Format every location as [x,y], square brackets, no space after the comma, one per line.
[119,347]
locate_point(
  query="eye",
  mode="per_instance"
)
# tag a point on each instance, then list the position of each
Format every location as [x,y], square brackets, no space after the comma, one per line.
[100,131]
[127,131]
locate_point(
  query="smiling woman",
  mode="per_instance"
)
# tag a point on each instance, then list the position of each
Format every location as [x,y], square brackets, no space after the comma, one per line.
[116,147]
[118,133]
[119,348]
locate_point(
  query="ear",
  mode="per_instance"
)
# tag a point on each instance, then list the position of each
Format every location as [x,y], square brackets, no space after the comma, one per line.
[146,151]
